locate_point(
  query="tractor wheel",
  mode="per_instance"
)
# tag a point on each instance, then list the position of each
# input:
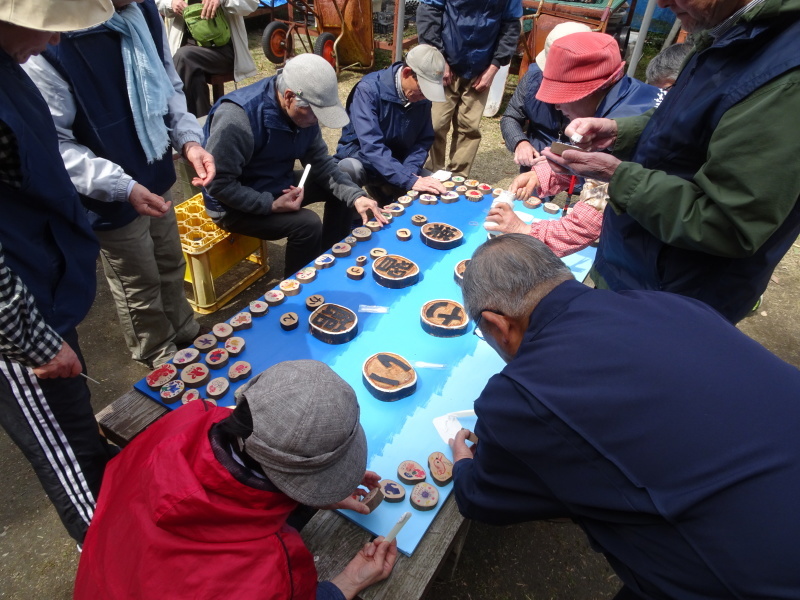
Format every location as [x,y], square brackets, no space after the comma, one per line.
[276,42]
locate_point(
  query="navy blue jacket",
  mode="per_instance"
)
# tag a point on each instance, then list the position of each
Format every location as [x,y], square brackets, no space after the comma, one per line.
[544,120]
[628,97]
[91,62]
[390,136]
[671,438]
[47,241]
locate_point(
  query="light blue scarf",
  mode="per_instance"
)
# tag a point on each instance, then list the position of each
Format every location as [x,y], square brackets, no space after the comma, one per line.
[149,87]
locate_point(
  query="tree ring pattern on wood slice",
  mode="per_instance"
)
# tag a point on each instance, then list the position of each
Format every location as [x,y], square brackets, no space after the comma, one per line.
[234,345]
[449,197]
[195,375]
[306,275]
[473,195]
[222,331]
[217,358]
[314,302]
[441,468]
[361,260]
[389,376]
[395,271]
[242,320]
[444,318]
[411,472]
[377,253]
[205,342]
[373,225]
[341,249]
[217,388]
[392,491]
[241,369]
[185,357]
[419,220]
[441,236]
[395,208]
[290,287]
[160,375]
[551,208]
[171,390]
[289,321]
[356,273]
[190,395]
[373,499]
[424,496]
[428,199]
[458,272]
[403,235]
[324,261]
[362,234]
[333,324]
[274,297]
[258,308]
[532,202]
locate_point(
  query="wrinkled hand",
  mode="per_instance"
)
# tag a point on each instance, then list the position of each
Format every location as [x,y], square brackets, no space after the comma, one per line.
[524,185]
[525,153]
[63,364]
[595,165]
[364,205]
[448,75]
[353,502]
[429,185]
[372,564]
[209,9]
[598,134]
[202,162]
[484,80]
[502,218]
[146,203]
[290,201]
[458,446]
[178,6]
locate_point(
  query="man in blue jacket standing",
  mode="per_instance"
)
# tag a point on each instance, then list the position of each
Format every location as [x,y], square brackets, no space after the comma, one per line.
[476,38]
[390,133]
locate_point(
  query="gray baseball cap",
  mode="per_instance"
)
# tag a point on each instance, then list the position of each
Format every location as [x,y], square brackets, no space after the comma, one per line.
[313,79]
[306,433]
[428,63]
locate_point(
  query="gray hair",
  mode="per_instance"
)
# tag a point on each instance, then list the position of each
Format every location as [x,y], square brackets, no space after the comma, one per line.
[666,65]
[281,86]
[507,275]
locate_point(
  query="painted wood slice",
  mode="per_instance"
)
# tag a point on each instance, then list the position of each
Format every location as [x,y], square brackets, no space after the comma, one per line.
[234,345]
[373,499]
[185,357]
[171,390]
[403,235]
[551,208]
[449,197]
[458,272]
[461,190]
[392,491]
[306,275]
[411,472]
[473,195]
[387,215]
[290,287]
[356,273]
[484,188]
[239,370]
[362,234]
[457,179]
[341,249]
[419,220]
[222,331]
[428,199]
[190,396]
[424,496]
[333,324]
[274,297]
[395,208]
[258,308]
[217,388]
[497,191]
[389,376]
[350,240]
[412,193]
[373,225]
[195,375]
[217,358]
[441,236]
[441,468]
[405,201]
[394,271]
[443,318]
[205,342]
[448,185]
[161,375]
[314,302]
[377,253]
[471,183]
[324,261]
[532,202]
[242,320]
[361,260]
[289,321]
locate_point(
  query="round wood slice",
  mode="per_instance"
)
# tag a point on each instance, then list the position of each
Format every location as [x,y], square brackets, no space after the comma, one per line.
[171,390]
[403,235]
[458,272]
[392,491]
[314,302]
[441,236]
[362,234]
[411,472]
[356,273]
[217,358]
[324,261]
[239,370]
[205,342]
[289,321]
[551,208]
[461,190]
[405,201]
[350,240]
[190,395]
[532,202]
[373,499]
[234,345]
[389,376]
[195,375]
[217,388]
[497,191]
[290,287]
[457,179]
[441,468]
[394,271]
[377,253]
[448,185]
[373,225]
[449,197]
[274,297]
[419,220]
[333,324]
[471,183]
[412,193]
[428,199]
[361,261]
[424,496]
[484,188]
[306,275]
[258,308]
[161,375]
[341,250]
[242,320]
[222,331]
[185,357]
[473,195]
[387,215]
[395,208]
[444,318]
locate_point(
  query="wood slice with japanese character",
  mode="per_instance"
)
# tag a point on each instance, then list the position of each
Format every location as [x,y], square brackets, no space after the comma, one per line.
[394,271]
[441,236]
[443,318]
[389,376]
[333,324]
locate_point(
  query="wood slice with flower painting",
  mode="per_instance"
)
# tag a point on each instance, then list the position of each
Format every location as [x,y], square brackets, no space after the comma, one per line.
[424,496]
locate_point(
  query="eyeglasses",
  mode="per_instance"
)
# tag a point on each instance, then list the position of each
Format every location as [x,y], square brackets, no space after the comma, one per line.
[477,331]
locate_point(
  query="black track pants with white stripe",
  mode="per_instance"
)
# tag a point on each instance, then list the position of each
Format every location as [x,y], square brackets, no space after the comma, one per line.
[52,422]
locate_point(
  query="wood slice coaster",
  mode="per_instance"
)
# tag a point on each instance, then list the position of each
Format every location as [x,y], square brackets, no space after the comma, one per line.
[444,318]
[457,179]
[341,249]
[306,275]
[239,370]
[403,235]
[532,202]
[461,190]
[289,287]
[419,220]
[497,191]
[258,308]
[350,240]
[217,388]
[361,260]
[171,390]
[160,375]
[389,376]
[217,358]
[323,261]
[289,321]
[205,342]
[405,201]
[190,396]
[394,271]
[458,272]
[356,273]
[333,324]
[441,236]
[484,188]
[362,234]
[473,195]
[392,491]
[448,185]
[314,302]
[195,375]
[274,297]
[377,253]
[551,208]
[411,472]
[441,468]
[373,499]
[373,225]
[242,320]
[222,331]
[234,345]
[449,197]
[185,357]
[387,215]
[412,193]
[471,183]
[428,199]
[424,496]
